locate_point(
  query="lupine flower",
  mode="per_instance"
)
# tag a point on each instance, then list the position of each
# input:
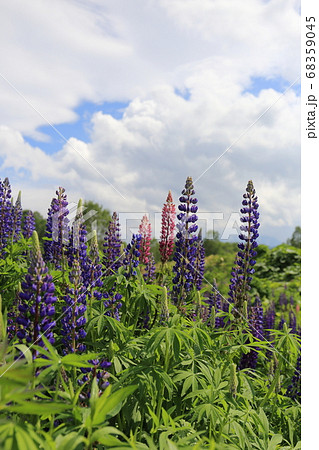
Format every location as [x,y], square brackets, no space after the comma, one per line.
[145,231]
[215,300]
[36,310]
[132,254]
[185,249]
[149,270]
[57,230]
[95,268]
[292,321]
[244,263]
[256,327]
[99,371]
[294,389]
[73,319]
[166,243]
[199,262]
[28,225]
[112,247]
[113,304]
[5,214]
[283,301]
[16,219]
[77,248]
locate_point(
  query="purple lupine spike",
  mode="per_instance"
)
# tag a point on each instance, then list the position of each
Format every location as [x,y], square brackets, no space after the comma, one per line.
[36,309]
[245,259]
[185,248]
[77,247]
[57,230]
[28,225]
[199,262]
[256,327]
[281,323]
[149,270]
[5,214]
[294,389]
[73,318]
[112,247]
[12,325]
[16,219]
[292,321]
[95,268]
[113,304]
[131,255]
[283,301]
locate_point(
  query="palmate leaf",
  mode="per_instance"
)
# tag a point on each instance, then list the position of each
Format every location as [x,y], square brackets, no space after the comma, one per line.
[39,408]
[70,442]
[108,405]
[21,436]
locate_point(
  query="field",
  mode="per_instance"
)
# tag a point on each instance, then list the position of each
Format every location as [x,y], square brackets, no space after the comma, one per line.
[104,346]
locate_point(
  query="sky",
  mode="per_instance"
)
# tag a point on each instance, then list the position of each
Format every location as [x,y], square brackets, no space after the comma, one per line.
[120,101]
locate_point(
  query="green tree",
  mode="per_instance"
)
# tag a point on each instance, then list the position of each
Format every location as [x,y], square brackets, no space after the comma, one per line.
[96,217]
[295,239]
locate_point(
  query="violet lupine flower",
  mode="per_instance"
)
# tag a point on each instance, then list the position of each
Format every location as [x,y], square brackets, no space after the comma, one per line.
[199,262]
[113,304]
[185,248]
[77,248]
[112,247]
[28,225]
[294,389]
[57,230]
[244,263]
[5,214]
[99,371]
[145,231]
[149,270]
[215,299]
[256,327]
[292,321]
[73,319]
[16,219]
[283,301]
[166,244]
[132,254]
[36,310]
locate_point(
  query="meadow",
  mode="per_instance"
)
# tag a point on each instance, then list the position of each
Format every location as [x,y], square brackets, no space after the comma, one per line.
[103,347]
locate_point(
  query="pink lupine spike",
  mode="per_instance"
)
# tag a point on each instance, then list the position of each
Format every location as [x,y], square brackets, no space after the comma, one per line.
[166,243]
[145,231]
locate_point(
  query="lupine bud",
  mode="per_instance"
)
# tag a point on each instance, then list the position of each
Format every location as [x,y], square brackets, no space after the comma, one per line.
[164,306]
[146,233]
[233,380]
[16,219]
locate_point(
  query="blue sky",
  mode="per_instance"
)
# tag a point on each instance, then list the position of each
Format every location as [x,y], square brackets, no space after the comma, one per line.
[140,110]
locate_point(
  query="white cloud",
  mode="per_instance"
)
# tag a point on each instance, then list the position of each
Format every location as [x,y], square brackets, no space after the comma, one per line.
[143,51]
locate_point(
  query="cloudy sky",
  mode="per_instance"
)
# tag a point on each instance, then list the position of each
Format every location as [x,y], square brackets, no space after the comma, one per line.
[120,100]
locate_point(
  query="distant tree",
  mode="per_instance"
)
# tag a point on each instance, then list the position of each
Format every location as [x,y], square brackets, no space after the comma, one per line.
[295,239]
[212,244]
[40,222]
[96,217]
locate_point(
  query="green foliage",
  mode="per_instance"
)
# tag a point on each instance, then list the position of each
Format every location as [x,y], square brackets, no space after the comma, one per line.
[96,217]
[295,239]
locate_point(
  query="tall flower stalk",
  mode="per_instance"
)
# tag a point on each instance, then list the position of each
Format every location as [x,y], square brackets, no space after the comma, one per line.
[36,309]
[16,219]
[185,248]
[245,259]
[5,214]
[57,230]
[166,243]
[28,225]
[112,247]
